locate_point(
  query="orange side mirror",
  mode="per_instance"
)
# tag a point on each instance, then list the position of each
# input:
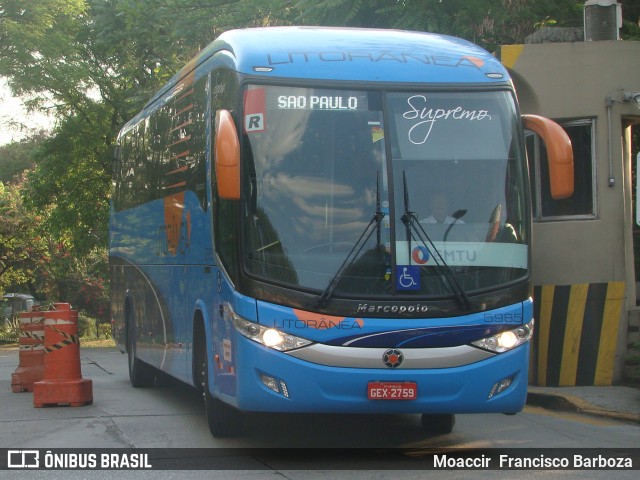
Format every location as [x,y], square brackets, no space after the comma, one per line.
[559,153]
[227,156]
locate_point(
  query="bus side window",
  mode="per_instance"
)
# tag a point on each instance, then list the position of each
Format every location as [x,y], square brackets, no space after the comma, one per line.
[224,96]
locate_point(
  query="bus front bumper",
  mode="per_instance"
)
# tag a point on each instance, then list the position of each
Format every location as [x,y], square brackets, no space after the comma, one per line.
[271,381]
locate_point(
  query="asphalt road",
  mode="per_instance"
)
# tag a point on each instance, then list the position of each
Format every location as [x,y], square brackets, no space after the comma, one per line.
[172,417]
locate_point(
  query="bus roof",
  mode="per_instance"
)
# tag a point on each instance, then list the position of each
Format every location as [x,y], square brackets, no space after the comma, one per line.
[351,54]
[360,54]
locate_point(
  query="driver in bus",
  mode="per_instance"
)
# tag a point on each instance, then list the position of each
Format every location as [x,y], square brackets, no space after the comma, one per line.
[439,211]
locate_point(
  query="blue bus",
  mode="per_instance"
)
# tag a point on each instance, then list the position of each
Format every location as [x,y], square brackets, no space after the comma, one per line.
[331,220]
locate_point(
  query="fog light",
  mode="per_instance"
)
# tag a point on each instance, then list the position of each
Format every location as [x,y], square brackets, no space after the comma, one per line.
[277,385]
[270,382]
[500,386]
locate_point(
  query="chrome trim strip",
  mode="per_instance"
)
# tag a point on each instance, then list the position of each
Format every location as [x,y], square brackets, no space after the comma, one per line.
[414,358]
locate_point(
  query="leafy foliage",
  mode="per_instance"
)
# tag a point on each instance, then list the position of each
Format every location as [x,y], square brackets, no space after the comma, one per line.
[20,245]
[10,329]
[488,23]
[631,20]
[97,62]
[70,185]
[17,157]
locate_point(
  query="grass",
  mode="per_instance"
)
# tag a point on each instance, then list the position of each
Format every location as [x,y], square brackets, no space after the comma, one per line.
[84,342]
[97,343]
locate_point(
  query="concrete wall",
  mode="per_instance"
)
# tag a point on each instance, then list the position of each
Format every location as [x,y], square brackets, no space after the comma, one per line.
[567,81]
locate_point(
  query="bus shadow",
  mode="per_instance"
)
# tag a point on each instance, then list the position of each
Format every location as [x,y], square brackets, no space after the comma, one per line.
[310,431]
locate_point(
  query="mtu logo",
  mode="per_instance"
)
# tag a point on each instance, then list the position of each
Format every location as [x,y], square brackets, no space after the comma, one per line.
[420,255]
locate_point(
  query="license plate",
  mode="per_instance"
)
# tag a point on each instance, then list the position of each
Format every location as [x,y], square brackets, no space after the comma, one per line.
[392,390]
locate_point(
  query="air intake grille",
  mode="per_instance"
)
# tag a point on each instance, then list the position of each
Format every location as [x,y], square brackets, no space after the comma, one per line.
[602,20]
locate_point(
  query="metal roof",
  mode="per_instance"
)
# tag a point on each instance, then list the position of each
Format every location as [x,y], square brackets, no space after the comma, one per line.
[359,54]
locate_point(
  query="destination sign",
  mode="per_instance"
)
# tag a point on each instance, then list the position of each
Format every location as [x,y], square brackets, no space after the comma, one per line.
[321,102]
[262,103]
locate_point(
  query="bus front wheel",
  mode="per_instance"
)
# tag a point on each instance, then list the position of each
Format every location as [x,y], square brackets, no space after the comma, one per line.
[222,419]
[438,423]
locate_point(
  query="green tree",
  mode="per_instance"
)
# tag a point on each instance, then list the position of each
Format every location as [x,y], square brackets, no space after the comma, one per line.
[631,20]
[69,187]
[40,50]
[488,23]
[16,157]
[78,280]
[43,54]
[46,264]
[21,247]
[99,61]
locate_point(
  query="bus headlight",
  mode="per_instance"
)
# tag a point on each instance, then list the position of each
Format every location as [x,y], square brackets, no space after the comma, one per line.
[269,337]
[507,340]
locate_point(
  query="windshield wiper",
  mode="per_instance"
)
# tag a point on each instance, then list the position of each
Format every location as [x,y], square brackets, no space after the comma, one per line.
[415,231]
[374,225]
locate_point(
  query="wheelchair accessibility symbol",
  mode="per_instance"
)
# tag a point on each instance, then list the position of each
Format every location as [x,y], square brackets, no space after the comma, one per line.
[407,277]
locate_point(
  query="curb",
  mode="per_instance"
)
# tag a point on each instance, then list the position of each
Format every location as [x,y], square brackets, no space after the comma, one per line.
[571,403]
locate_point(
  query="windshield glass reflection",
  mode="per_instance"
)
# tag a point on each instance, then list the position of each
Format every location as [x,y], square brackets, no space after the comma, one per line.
[316,172]
[312,186]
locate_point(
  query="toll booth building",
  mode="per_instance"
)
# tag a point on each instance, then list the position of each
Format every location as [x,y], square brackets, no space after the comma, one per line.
[584,273]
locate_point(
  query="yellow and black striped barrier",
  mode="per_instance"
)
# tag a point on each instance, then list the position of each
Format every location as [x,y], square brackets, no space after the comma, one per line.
[576,333]
[31,353]
[62,382]
[67,339]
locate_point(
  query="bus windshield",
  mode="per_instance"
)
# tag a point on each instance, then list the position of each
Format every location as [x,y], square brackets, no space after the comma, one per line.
[382,193]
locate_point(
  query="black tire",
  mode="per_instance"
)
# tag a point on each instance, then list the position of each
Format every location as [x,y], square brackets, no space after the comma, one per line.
[223,420]
[140,374]
[438,423]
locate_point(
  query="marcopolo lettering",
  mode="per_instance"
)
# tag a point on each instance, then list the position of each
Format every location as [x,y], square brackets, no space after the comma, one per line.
[399,309]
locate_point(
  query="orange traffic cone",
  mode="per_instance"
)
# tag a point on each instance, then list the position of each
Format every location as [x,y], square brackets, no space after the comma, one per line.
[31,353]
[62,383]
